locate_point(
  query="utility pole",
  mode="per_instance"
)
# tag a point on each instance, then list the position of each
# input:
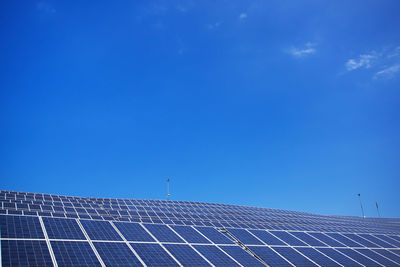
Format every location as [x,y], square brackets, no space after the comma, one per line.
[377,208]
[168,194]
[362,209]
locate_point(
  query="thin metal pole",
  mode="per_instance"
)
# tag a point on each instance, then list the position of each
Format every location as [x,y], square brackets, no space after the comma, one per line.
[377,208]
[168,194]
[362,209]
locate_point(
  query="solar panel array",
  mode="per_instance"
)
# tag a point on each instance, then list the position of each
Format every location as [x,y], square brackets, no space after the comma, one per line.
[52,230]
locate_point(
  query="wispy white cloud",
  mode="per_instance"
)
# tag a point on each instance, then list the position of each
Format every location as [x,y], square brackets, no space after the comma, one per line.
[388,72]
[243,16]
[307,49]
[363,61]
[214,25]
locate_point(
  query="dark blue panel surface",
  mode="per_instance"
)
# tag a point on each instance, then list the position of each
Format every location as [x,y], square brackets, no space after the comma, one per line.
[377,241]
[288,238]
[214,235]
[388,254]
[74,253]
[245,237]
[327,240]
[116,254]
[344,240]
[317,257]
[337,256]
[133,232]
[63,229]
[20,227]
[25,253]
[358,257]
[267,237]
[186,255]
[153,255]
[100,230]
[308,239]
[190,235]
[269,256]
[293,256]
[376,257]
[360,240]
[163,233]
[215,255]
[241,256]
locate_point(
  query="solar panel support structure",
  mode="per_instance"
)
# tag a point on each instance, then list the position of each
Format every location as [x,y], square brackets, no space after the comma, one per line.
[168,194]
[243,246]
[362,209]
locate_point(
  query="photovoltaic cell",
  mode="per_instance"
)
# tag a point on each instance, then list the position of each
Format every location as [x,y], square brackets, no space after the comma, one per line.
[241,256]
[20,227]
[269,256]
[344,240]
[268,238]
[360,240]
[190,235]
[377,241]
[244,236]
[337,256]
[308,239]
[376,257]
[317,257]
[116,254]
[100,230]
[57,228]
[163,233]
[186,255]
[74,253]
[358,257]
[286,237]
[388,254]
[25,253]
[215,255]
[294,257]
[153,255]
[327,240]
[133,232]
[214,235]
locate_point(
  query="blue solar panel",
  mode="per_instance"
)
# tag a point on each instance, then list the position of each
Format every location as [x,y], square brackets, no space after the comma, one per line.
[153,255]
[100,230]
[377,241]
[69,253]
[376,257]
[133,232]
[317,257]
[388,254]
[25,253]
[241,256]
[245,237]
[308,239]
[116,254]
[344,240]
[186,255]
[20,227]
[163,233]
[360,240]
[215,255]
[338,257]
[57,228]
[190,235]
[268,238]
[294,257]
[269,256]
[288,238]
[327,240]
[214,235]
[389,240]
[396,251]
[358,257]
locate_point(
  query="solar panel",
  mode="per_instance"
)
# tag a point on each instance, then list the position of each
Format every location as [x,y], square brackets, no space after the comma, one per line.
[190,234]
[100,230]
[25,253]
[386,253]
[68,253]
[288,238]
[317,257]
[294,257]
[358,257]
[215,255]
[163,233]
[241,256]
[133,232]
[327,240]
[116,254]
[269,256]
[57,228]
[20,227]
[344,240]
[267,237]
[376,257]
[245,237]
[186,255]
[377,241]
[153,255]
[306,238]
[360,240]
[215,236]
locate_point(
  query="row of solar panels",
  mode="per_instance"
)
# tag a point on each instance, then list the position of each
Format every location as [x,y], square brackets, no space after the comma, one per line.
[76,242]
[202,222]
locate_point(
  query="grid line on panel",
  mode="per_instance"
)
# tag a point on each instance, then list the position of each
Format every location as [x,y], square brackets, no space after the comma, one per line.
[53,259]
[90,243]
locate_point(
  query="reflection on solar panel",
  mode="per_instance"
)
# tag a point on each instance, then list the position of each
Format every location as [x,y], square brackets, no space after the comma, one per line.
[40,229]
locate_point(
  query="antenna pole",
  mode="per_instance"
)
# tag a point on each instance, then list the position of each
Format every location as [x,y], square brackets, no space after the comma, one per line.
[362,209]
[377,208]
[168,194]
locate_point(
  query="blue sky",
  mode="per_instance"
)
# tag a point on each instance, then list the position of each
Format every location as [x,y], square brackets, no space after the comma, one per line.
[282,104]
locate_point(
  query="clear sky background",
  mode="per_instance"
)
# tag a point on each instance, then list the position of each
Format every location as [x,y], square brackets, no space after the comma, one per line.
[281,104]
